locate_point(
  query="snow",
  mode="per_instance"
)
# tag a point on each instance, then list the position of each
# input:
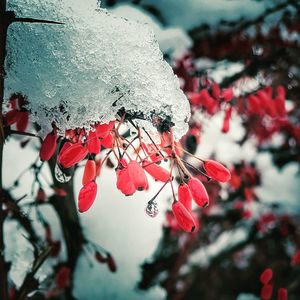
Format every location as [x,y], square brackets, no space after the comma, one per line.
[225,240]
[173,41]
[76,74]
[189,14]
[279,186]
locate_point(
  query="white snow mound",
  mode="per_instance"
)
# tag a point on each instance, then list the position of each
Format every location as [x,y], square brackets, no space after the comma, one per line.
[73,73]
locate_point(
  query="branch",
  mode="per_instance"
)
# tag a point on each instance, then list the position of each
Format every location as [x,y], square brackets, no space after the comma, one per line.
[240,26]
[23,220]
[30,283]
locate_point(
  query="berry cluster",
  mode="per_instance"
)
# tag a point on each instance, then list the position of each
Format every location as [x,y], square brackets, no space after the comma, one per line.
[18,113]
[136,156]
[267,288]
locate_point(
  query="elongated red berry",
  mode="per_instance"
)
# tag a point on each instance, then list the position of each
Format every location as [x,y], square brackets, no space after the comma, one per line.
[266,276]
[266,292]
[216,171]
[87,196]
[48,146]
[89,173]
[99,257]
[215,90]
[282,294]
[11,117]
[62,278]
[98,167]
[296,258]
[137,175]
[198,192]
[111,263]
[183,217]
[152,152]
[108,141]
[254,105]
[156,171]
[267,103]
[104,129]
[280,101]
[72,155]
[227,94]
[185,196]
[93,143]
[22,120]
[65,146]
[226,121]
[124,183]
[41,196]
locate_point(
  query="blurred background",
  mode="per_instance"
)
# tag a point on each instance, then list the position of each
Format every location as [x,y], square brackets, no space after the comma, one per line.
[233,50]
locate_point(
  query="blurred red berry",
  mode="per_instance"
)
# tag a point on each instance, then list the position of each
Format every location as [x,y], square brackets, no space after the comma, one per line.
[266,276]
[282,294]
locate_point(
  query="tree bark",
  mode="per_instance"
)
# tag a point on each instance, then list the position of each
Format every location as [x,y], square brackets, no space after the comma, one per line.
[3,264]
[66,209]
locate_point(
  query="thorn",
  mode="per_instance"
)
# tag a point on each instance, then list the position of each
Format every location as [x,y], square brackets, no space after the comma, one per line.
[32,20]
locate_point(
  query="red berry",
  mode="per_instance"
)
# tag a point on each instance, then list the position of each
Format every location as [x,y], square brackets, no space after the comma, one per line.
[124,183]
[41,196]
[111,263]
[280,101]
[152,152]
[89,173]
[227,94]
[194,98]
[185,196]
[104,129]
[198,192]
[98,167]
[267,103]
[266,276]
[60,192]
[65,146]
[282,294]
[93,143]
[99,257]
[62,278]
[22,120]
[48,146]
[156,171]
[183,217]
[226,122]
[137,175]
[72,155]
[11,117]
[296,259]
[87,196]
[266,292]
[108,141]
[215,90]
[56,247]
[216,171]
[254,105]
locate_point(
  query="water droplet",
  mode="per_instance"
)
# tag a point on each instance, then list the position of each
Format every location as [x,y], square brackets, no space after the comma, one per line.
[60,175]
[152,209]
